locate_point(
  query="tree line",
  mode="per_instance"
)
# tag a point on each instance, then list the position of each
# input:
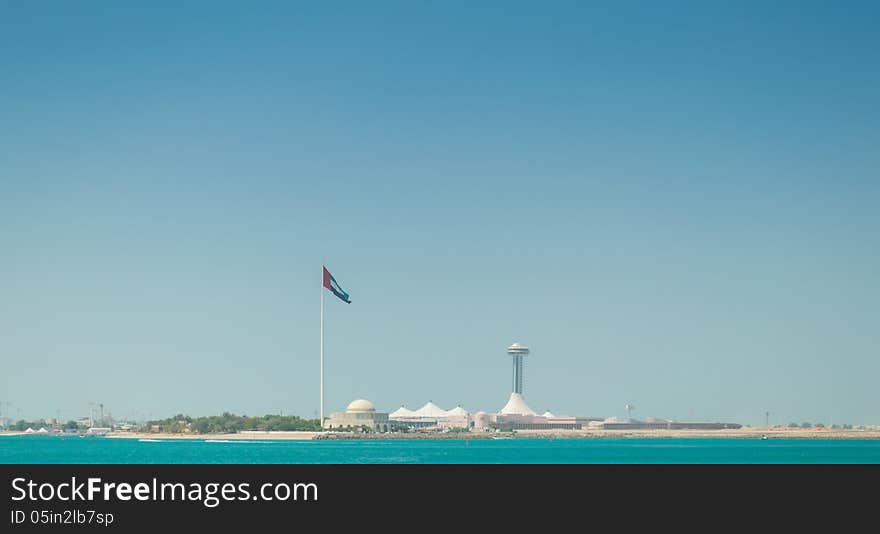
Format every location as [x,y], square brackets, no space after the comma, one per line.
[228,423]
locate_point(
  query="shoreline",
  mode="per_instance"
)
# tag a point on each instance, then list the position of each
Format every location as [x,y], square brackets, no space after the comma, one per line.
[740,433]
[281,436]
[743,433]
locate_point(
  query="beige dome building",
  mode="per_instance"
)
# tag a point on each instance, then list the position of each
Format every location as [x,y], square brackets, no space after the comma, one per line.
[359,413]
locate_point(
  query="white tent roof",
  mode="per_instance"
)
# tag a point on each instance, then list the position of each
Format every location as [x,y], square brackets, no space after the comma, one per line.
[516,405]
[403,411]
[548,413]
[430,410]
[458,410]
[29,430]
[42,431]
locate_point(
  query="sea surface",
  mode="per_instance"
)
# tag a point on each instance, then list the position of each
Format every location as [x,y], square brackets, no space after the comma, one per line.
[71,449]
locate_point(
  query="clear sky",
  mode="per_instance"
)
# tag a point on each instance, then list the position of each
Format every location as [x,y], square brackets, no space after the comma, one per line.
[676,205]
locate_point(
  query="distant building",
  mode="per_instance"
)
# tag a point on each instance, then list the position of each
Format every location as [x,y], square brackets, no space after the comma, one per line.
[540,422]
[359,413]
[516,414]
[481,420]
[668,425]
[431,416]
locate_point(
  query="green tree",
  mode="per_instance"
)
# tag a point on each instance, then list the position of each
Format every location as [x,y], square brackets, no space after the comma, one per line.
[21,425]
[231,423]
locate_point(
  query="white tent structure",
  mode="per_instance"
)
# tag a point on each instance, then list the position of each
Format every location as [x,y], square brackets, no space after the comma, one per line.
[516,405]
[548,413]
[457,411]
[430,410]
[29,430]
[403,411]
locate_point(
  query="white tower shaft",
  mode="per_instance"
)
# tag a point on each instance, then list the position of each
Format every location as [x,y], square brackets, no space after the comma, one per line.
[517,351]
[518,373]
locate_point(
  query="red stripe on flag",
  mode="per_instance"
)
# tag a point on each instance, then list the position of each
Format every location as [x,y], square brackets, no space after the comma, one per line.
[327,279]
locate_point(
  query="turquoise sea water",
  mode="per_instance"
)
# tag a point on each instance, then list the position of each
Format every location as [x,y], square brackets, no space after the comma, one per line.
[54,449]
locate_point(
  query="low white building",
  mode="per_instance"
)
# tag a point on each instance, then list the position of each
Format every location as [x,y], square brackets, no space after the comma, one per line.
[517,415]
[360,413]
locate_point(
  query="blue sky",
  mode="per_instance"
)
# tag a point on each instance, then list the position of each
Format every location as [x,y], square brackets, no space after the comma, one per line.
[674,204]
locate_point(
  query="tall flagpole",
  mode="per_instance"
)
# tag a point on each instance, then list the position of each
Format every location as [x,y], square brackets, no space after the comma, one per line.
[322,355]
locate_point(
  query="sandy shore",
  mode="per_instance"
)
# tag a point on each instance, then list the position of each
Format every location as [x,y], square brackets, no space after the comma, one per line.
[246,435]
[414,436]
[745,433]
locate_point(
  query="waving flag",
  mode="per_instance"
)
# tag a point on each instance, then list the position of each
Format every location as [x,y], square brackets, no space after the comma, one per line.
[331,284]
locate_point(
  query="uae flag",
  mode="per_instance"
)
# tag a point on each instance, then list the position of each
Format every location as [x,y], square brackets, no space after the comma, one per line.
[331,284]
